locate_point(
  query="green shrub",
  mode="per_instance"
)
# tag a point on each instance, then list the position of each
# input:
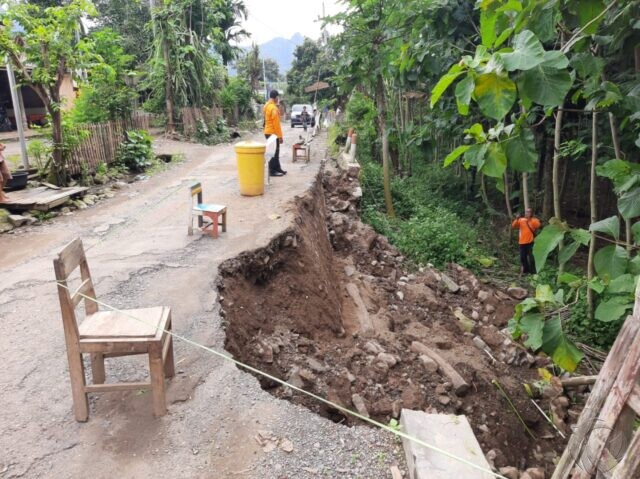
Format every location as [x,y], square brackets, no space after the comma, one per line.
[361,114]
[213,133]
[135,152]
[235,100]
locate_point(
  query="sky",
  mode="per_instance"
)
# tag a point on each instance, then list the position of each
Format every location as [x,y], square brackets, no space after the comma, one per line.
[283,18]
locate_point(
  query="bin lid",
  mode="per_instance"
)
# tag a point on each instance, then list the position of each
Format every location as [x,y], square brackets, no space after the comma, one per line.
[250,147]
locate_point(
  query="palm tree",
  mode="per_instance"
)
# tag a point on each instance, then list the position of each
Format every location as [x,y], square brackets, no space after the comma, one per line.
[231,26]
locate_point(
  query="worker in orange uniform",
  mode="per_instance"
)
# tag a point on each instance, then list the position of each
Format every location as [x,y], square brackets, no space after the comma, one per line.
[528,225]
[272,127]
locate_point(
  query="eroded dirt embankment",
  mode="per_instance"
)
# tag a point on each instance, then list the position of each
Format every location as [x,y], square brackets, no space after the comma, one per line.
[330,306]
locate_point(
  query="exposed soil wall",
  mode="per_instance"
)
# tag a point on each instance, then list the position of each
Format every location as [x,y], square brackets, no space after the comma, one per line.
[330,306]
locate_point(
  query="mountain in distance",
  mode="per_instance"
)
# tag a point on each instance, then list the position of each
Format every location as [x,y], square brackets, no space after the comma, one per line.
[281,50]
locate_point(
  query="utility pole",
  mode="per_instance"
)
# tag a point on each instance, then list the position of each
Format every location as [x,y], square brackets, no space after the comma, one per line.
[17,113]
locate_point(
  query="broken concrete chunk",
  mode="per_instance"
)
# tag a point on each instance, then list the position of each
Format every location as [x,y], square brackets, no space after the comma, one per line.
[294,377]
[359,404]
[373,348]
[387,358]
[340,205]
[395,472]
[533,473]
[316,365]
[353,170]
[464,323]
[449,283]
[517,293]
[480,344]
[483,296]
[447,432]
[509,472]
[460,386]
[428,364]
[19,220]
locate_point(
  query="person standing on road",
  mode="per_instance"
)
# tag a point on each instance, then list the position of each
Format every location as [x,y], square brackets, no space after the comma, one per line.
[305,117]
[272,127]
[5,173]
[528,225]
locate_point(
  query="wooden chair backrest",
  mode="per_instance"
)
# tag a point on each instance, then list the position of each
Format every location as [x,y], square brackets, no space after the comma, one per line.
[69,259]
[195,189]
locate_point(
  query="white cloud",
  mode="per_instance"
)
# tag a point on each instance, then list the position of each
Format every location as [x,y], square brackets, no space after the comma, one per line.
[283,18]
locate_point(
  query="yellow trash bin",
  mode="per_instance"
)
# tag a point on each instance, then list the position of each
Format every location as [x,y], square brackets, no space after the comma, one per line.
[250,158]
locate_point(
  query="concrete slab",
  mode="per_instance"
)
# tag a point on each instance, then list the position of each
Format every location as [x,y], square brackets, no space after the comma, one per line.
[447,432]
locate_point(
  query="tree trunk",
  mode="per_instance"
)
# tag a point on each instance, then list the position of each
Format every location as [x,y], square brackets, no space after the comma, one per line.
[547,200]
[507,194]
[618,152]
[593,207]
[525,190]
[556,176]
[382,128]
[168,87]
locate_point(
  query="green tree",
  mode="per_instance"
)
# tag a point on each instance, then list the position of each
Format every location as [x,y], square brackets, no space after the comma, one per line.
[130,18]
[233,13]
[45,50]
[250,67]
[272,70]
[312,62]
[106,95]
[368,29]
[235,99]
[182,70]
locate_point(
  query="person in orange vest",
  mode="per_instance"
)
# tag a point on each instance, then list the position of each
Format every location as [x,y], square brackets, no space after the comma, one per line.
[272,127]
[528,225]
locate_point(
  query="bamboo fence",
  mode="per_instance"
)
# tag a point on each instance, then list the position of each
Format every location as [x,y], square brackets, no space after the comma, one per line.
[100,142]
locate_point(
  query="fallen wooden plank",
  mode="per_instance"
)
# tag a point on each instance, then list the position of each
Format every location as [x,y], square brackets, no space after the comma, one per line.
[599,394]
[578,381]
[41,198]
[460,386]
[448,432]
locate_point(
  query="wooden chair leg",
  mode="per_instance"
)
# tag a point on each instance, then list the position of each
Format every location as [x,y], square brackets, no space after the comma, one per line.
[78,383]
[156,371]
[224,221]
[215,218]
[169,365]
[97,368]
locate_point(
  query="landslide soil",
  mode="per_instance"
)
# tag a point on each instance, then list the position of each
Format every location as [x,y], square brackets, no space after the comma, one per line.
[331,306]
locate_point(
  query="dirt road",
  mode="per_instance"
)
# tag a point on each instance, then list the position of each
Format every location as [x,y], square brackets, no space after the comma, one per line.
[140,255]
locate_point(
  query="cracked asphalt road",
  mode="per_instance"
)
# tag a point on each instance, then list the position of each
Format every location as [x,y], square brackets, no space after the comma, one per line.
[145,258]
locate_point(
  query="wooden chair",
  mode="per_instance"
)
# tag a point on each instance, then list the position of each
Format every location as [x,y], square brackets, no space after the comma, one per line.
[301,151]
[217,214]
[106,334]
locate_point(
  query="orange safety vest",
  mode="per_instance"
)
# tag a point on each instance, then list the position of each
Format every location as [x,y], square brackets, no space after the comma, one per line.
[527,229]
[272,119]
